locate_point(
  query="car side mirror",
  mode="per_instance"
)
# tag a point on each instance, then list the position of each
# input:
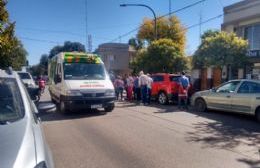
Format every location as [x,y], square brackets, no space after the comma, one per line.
[213,89]
[44,107]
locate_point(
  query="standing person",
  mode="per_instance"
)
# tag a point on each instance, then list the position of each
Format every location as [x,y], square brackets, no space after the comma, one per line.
[119,86]
[149,88]
[129,85]
[143,82]
[183,90]
[137,90]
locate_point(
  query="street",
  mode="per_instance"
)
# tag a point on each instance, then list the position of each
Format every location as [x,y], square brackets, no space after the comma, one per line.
[152,136]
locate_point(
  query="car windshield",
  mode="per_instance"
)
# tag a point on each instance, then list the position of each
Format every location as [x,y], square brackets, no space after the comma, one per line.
[84,71]
[11,105]
[24,75]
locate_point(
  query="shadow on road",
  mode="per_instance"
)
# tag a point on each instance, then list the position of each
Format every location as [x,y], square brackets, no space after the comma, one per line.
[159,108]
[227,131]
[251,163]
[55,115]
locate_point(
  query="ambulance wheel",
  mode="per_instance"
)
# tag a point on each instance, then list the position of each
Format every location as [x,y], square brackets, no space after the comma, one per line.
[62,108]
[109,108]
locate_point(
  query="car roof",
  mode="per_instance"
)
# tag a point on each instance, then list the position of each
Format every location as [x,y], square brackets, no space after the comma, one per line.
[246,80]
[8,73]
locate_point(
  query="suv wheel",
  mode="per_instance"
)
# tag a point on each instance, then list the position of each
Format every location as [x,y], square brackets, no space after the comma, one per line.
[162,98]
[257,114]
[200,105]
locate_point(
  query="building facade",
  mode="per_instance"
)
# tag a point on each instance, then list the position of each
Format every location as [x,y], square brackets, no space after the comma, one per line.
[116,57]
[243,18]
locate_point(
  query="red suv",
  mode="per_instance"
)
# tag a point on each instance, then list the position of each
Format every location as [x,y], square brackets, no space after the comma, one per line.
[165,87]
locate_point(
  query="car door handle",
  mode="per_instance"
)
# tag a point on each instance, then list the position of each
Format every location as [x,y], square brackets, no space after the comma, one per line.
[228,96]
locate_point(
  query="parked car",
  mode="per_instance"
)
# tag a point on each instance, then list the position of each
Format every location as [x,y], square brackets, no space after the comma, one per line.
[240,96]
[22,142]
[27,79]
[165,87]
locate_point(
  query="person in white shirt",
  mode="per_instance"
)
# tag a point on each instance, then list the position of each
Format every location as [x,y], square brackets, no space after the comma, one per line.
[149,88]
[143,83]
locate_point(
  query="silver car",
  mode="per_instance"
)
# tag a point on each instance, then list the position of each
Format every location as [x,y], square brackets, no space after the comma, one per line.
[22,143]
[27,79]
[240,96]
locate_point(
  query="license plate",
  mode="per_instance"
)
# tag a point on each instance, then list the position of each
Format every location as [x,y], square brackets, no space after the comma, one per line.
[95,106]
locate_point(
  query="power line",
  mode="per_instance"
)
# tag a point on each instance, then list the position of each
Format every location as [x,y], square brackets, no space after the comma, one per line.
[168,14]
[203,22]
[40,40]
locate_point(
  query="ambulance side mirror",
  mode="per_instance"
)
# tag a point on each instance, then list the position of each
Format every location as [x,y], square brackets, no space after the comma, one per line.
[58,78]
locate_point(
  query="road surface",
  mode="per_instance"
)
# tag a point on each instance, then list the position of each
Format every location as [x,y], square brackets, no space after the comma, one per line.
[134,136]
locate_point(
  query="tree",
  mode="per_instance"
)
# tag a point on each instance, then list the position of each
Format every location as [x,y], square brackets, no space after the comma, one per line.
[170,28]
[209,33]
[67,47]
[43,65]
[162,55]
[219,49]
[137,44]
[12,52]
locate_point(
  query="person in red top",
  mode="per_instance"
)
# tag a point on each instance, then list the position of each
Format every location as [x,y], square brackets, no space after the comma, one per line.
[129,85]
[41,83]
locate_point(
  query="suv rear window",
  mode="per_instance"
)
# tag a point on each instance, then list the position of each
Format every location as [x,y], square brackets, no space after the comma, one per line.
[157,78]
[24,75]
[174,78]
[11,104]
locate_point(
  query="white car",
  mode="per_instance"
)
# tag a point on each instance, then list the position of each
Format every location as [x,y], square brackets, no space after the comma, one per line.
[27,79]
[22,142]
[239,96]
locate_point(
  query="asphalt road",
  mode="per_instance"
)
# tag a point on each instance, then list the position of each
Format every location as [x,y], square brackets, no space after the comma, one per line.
[134,136]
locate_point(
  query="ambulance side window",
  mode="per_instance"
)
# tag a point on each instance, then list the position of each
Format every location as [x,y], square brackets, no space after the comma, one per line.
[58,76]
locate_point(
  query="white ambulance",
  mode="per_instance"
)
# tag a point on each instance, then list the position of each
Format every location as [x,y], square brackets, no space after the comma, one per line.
[79,81]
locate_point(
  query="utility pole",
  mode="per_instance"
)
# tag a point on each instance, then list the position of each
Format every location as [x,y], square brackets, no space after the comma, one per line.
[170,8]
[89,43]
[200,21]
[86,13]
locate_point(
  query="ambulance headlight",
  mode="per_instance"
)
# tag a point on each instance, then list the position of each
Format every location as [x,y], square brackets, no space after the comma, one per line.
[73,93]
[110,92]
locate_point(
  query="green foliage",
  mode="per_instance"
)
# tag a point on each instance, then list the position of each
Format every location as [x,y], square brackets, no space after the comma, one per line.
[42,67]
[219,49]
[67,47]
[170,28]
[12,52]
[162,55]
[209,33]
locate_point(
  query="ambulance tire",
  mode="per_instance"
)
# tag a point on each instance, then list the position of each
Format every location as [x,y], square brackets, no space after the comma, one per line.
[62,108]
[109,108]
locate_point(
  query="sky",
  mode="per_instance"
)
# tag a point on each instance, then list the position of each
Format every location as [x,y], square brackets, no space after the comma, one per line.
[43,24]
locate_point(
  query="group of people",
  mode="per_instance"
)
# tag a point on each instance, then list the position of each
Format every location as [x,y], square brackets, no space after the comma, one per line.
[136,87]
[139,88]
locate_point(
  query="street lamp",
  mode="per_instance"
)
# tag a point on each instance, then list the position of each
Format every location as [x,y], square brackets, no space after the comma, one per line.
[155,19]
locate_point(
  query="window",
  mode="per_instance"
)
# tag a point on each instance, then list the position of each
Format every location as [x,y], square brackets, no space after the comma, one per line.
[24,75]
[228,87]
[84,71]
[249,87]
[252,34]
[174,78]
[11,104]
[157,78]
